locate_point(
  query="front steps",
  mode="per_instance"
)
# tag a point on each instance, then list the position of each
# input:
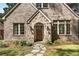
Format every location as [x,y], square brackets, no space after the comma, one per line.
[38,49]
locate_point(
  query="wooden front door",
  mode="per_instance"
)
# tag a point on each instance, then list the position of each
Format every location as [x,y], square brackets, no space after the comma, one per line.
[39,29]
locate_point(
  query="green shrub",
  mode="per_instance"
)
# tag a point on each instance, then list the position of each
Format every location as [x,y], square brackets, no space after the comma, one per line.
[56,42]
[23,43]
[2,44]
[59,41]
[16,42]
[19,43]
[29,44]
[49,42]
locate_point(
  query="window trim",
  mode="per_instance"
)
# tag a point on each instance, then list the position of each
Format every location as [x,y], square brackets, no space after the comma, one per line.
[65,27]
[19,24]
[19,29]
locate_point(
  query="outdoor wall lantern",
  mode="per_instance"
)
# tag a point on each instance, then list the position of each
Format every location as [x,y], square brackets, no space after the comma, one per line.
[32,30]
[49,30]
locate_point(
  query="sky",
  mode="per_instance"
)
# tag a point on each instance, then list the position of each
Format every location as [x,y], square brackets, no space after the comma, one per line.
[2,5]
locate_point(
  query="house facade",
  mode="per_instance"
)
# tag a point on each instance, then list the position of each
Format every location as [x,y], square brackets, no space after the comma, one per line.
[44,22]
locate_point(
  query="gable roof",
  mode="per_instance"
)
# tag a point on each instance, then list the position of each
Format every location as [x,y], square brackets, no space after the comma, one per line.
[30,19]
[35,14]
[39,10]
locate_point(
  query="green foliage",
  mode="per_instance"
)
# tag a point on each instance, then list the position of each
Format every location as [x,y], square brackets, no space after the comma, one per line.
[6,9]
[16,42]
[10,5]
[23,43]
[2,44]
[1,15]
[57,42]
[74,6]
[49,42]
[29,44]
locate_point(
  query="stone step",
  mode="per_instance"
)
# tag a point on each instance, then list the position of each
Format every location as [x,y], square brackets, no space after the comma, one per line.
[35,51]
[40,42]
[38,50]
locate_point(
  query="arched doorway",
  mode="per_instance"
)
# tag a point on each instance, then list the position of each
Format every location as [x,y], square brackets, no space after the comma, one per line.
[38,32]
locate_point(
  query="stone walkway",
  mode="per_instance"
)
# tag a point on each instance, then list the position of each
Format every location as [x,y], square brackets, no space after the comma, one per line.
[38,50]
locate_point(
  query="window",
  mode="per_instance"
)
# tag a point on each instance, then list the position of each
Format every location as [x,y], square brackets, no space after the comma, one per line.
[15,28]
[62,27]
[55,28]
[45,5]
[21,28]
[67,28]
[42,5]
[18,28]
[38,5]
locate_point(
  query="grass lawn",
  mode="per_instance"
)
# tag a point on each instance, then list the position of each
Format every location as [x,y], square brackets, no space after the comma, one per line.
[14,48]
[62,50]
[15,51]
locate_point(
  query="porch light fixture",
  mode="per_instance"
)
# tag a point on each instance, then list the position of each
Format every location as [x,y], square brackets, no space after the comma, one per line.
[49,30]
[32,30]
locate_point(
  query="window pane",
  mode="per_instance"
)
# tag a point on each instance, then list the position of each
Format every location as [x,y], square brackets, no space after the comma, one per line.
[55,21]
[55,28]
[67,28]
[61,28]
[38,5]
[21,28]
[15,28]
[45,5]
